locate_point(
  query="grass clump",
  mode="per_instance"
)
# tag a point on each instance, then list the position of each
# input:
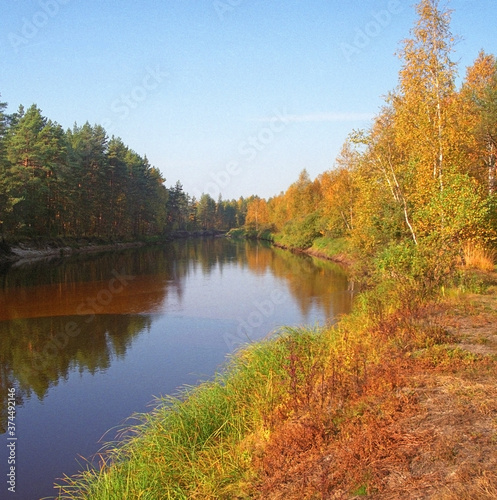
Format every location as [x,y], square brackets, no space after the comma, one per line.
[331,247]
[202,443]
[478,257]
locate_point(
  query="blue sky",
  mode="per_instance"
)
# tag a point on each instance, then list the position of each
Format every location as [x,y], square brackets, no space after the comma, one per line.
[228,96]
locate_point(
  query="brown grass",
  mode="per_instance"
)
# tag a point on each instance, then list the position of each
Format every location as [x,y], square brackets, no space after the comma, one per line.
[476,257]
[421,422]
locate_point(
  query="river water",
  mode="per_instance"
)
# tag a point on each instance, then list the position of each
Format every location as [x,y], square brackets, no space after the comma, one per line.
[87,341]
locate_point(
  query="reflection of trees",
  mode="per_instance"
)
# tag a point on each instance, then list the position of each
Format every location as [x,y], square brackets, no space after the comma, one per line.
[171,261]
[312,282]
[36,353]
[209,253]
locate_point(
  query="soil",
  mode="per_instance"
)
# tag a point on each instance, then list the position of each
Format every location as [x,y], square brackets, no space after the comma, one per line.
[430,433]
[31,251]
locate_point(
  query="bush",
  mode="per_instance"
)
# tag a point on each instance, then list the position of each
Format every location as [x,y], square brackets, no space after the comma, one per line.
[301,233]
[415,272]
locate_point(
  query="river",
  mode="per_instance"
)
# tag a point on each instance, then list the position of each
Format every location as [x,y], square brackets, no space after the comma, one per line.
[86,341]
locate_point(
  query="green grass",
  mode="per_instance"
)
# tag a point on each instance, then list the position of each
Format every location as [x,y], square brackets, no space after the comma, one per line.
[331,247]
[195,445]
[209,442]
[237,233]
[264,233]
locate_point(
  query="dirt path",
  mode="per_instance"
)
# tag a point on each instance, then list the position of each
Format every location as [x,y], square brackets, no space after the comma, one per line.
[456,422]
[426,428]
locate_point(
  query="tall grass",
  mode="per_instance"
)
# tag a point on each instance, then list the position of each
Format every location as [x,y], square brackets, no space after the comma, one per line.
[210,443]
[201,444]
[476,257]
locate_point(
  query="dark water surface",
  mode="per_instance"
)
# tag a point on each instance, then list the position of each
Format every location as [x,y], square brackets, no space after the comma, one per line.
[87,341]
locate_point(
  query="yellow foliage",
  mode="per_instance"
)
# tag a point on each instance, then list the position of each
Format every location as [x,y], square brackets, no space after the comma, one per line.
[477,257]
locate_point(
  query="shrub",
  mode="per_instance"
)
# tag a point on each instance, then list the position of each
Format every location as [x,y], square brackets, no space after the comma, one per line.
[478,257]
[300,233]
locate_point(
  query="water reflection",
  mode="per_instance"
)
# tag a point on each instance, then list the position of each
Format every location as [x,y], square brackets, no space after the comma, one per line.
[35,356]
[310,280]
[81,313]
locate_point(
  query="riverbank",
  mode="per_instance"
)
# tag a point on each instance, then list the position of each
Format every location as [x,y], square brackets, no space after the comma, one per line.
[335,249]
[27,250]
[398,400]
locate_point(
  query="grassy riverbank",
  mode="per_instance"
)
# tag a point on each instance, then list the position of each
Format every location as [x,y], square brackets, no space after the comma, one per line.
[29,249]
[336,249]
[397,400]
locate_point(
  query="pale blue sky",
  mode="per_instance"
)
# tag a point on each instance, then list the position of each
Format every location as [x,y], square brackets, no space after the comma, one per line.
[228,96]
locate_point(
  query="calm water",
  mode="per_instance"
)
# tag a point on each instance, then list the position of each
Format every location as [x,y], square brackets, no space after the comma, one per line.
[87,341]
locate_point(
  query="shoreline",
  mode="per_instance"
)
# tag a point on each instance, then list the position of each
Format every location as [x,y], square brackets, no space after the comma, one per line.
[33,250]
[22,253]
[340,258]
[337,255]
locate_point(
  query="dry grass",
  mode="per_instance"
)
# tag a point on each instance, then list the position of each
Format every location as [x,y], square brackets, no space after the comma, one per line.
[476,257]
[420,423]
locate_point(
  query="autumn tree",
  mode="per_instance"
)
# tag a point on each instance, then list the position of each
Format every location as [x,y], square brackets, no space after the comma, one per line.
[426,87]
[426,133]
[478,104]
[339,193]
[303,196]
[257,213]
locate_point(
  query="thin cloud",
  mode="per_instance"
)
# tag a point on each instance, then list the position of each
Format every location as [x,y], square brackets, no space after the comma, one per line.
[321,117]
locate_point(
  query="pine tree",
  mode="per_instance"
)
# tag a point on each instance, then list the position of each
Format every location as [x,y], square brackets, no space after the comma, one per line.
[35,151]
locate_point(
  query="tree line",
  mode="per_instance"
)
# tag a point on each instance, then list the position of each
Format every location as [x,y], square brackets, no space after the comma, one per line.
[79,182]
[422,177]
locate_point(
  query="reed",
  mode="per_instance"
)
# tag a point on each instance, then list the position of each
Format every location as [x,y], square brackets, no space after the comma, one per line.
[190,446]
[477,257]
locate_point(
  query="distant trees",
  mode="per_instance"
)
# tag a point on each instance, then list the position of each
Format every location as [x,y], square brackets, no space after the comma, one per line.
[424,174]
[80,182]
